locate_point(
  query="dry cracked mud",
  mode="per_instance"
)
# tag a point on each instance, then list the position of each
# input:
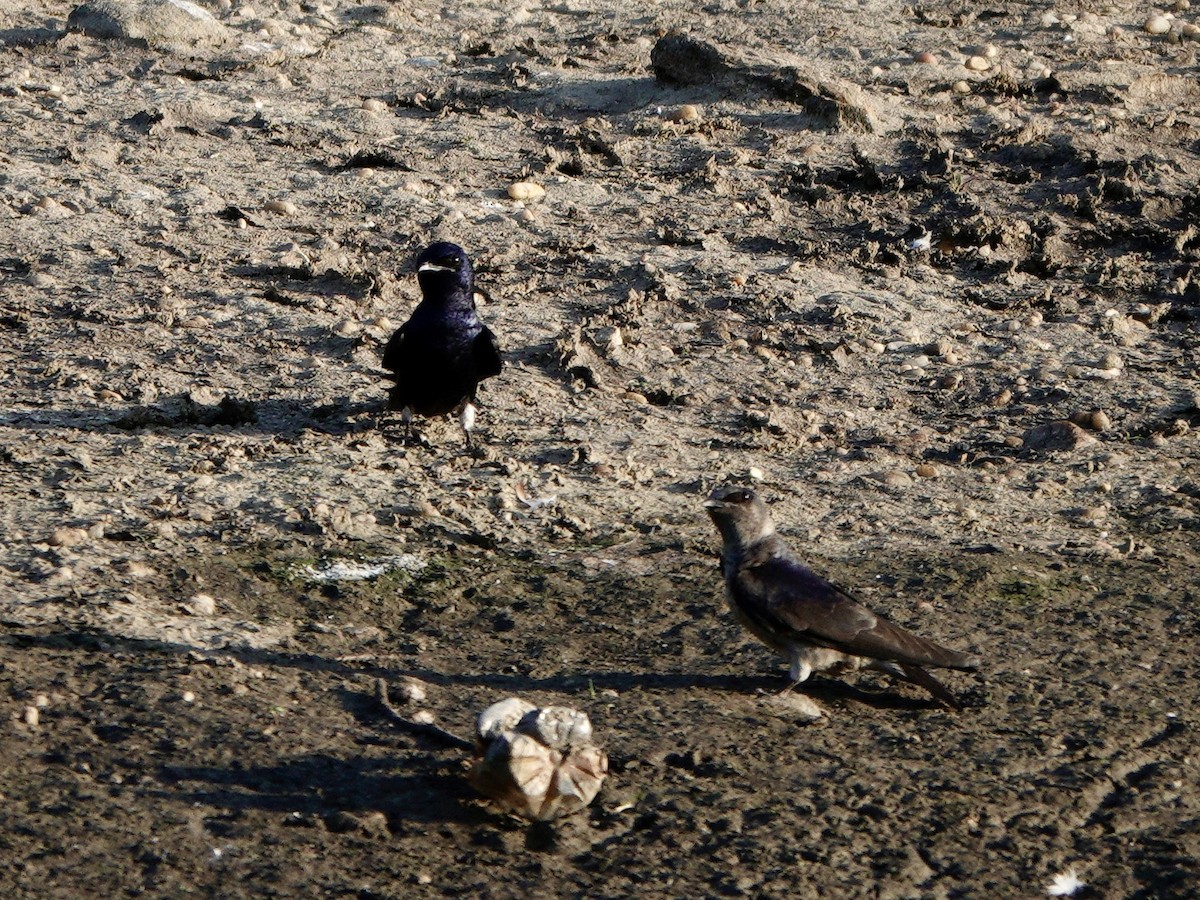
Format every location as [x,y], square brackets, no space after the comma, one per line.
[926,275]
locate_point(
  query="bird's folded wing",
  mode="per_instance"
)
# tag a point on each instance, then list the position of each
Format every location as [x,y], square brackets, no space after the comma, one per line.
[487,354]
[394,350]
[801,600]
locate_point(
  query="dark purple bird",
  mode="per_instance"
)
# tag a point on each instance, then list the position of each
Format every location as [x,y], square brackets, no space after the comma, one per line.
[438,357]
[818,625]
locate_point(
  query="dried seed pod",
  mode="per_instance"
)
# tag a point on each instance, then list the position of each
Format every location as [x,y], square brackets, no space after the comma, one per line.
[558,727]
[538,763]
[577,780]
[516,771]
[500,717]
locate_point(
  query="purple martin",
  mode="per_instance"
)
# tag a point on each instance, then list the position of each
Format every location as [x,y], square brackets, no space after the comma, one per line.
[818,625]
[438,357]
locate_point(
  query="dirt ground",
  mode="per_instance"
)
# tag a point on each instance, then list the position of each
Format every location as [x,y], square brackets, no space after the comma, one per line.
[868,257]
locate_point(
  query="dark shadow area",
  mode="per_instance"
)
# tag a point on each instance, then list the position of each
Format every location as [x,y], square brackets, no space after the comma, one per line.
[28,37]
[269,416]
[307,281]
[327,787]
[820,689]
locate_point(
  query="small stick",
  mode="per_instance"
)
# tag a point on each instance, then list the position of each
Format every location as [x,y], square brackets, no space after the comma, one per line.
[426,728]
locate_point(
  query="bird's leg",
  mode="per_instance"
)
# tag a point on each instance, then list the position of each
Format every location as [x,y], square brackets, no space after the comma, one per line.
[799,672]
[411,435]
[466,419]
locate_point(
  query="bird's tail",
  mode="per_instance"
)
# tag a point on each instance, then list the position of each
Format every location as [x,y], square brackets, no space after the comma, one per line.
[918,676]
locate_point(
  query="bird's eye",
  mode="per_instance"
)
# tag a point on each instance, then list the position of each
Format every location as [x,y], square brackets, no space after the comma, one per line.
[744,496]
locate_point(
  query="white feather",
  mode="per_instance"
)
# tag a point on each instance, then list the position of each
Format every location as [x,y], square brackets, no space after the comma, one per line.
[1065,884]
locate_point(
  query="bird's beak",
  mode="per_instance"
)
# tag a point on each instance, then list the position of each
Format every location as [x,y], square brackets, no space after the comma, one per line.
[713,504]
[434,267]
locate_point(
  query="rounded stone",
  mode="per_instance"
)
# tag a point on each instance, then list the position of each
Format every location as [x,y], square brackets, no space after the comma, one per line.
[1157,25]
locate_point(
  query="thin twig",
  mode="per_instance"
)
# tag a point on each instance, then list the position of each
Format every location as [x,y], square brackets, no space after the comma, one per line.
[426,728]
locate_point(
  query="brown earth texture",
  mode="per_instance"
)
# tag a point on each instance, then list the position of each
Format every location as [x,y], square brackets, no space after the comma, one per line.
[927,276]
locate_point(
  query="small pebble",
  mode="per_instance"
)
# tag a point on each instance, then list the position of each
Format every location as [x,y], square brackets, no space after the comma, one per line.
[372,105]
[66,537]
[756,474]
[925,470]
[201,605]
[526,190]
[285,207]
[949,382]
[347,328]
[689,112]
[961,87]
[49,204]
[925,58]
[893,478]
[188,697]
[136,569]
[1003,398]
[383,323]
[1157,25]
[32,716]
[1097,420]
[794,705]
[977,64]
[412,690]
[423,717]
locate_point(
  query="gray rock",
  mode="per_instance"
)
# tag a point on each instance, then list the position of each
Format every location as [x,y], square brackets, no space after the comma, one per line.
[1060,435]
[156,22]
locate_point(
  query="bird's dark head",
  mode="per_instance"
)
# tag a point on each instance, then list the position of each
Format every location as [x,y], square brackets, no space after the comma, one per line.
[444,267]
[740,515]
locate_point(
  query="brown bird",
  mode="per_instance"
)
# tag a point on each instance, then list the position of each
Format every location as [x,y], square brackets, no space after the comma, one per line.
[818,625]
